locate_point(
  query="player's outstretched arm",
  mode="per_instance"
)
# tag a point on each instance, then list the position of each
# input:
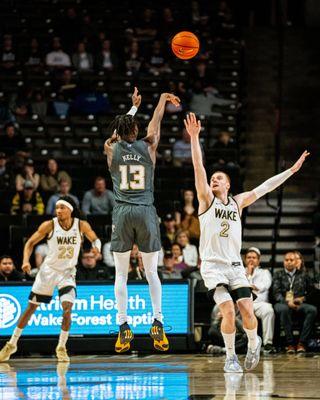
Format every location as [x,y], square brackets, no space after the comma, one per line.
[108,144]
[153,132]
[204,193]
[44,229]
[247,198]
[85,229]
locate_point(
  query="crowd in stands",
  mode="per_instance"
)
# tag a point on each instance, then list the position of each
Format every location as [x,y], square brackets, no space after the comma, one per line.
[78,63]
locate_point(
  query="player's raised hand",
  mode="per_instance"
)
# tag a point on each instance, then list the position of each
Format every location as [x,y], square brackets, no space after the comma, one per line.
[173,99]
[26,268]
[193,126]
[136,98]
[298,164]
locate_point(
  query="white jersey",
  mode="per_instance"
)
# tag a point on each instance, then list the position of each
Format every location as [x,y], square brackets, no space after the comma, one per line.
[63,246]
[220,233]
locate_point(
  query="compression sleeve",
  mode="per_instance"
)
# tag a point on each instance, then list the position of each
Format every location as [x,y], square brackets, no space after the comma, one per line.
[272,183]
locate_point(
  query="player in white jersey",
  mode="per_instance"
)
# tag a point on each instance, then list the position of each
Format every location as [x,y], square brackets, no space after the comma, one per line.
[64,237]
[220,244]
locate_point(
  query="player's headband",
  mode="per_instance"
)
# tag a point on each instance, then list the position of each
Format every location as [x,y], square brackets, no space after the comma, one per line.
[65,203]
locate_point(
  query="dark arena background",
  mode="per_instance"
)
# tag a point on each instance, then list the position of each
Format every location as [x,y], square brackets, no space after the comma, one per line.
[67,68]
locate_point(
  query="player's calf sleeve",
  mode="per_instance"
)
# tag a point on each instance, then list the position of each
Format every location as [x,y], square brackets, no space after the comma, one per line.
[121,261]
[150,263]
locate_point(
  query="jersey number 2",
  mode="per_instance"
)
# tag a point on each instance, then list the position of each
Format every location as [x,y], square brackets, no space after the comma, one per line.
[138,172]
[225,227]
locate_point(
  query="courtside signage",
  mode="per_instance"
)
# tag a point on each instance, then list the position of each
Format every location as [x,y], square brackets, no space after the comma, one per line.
[94,312]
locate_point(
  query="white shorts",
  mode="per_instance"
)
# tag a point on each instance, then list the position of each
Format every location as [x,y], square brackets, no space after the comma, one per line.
[231,276]
[47,280]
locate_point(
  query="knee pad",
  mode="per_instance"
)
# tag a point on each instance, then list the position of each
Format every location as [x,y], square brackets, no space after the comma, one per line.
[241,293]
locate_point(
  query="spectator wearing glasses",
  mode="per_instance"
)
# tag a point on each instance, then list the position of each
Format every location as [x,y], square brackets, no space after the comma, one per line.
[89,269]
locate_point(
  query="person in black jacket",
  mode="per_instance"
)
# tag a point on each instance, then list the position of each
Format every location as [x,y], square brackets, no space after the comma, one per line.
[89,269]
[290,288]
[8,271]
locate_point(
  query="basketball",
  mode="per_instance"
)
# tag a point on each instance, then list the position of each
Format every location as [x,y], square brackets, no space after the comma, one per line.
[185,45]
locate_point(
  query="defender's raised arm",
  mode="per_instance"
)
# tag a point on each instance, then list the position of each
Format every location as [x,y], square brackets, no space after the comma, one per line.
[204,193]
[247,198]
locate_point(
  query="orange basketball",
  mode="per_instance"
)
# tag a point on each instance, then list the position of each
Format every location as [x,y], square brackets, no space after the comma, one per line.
[185,45]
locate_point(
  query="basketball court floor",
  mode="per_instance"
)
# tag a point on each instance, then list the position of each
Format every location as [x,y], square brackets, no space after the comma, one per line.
[158,377]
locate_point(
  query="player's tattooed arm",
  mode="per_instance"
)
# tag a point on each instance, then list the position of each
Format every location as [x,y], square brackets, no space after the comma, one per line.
[247,198]
[204,193]
[44,230]
[85,229]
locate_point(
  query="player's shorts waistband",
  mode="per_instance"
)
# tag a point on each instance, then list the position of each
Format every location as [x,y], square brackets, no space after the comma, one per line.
[126,203]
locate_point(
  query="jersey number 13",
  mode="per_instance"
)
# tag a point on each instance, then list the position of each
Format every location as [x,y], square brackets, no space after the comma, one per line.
[132,177]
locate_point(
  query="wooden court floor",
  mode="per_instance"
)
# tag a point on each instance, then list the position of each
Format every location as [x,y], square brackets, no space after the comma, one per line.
[158,377]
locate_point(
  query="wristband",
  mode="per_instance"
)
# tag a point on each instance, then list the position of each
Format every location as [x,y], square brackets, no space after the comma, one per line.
[132,111]
[96,243]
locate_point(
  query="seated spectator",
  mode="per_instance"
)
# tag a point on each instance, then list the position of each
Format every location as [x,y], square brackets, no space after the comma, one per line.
[8,56]
[40,253]
[225,151]
[8,271]
[178,260]
[157,61]
[136,269]
[66,85]
[57,58]
[168,269]
[106,59]
[168,230]
[300,265]
[28,174]
[217,342]
[261,281]
[64,190]
[34,56]
[98,200]
[187,218]
[12,142]
[82,60]
[89,269]
[28,201]
[202,101]
[168,25]
[133,58]
[182,150]
[61,106]
[203,74]
[39,105]
[50,179]
[146,26]
[6,174]
[189,251]
[19,102]
[290,288]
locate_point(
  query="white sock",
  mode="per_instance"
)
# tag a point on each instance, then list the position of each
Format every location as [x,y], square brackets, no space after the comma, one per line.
[121,261]
[150,264]
[15,336]
[229,341]
[252,338]
[63,338]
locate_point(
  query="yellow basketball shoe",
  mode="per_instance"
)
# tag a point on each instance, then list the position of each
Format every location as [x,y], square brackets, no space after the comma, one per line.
[6,351]
[125,336]
[160,341]
[62,354]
